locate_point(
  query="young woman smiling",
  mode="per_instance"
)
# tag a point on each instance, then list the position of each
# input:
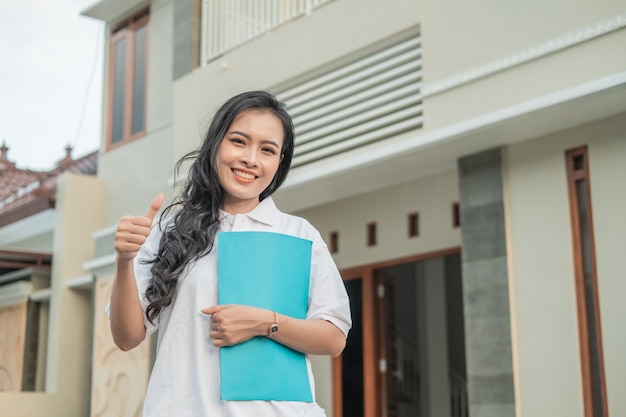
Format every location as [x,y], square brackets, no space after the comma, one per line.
[166,276]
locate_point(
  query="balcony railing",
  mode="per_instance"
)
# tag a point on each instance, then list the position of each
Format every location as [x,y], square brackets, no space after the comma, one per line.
[228,24]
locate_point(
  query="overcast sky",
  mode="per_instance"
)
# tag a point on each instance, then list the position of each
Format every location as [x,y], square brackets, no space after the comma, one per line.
[50,80]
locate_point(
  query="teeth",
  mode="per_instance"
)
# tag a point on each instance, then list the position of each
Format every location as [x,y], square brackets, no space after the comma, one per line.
[243,174]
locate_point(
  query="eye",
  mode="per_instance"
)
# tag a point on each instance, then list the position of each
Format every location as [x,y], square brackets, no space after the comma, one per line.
[269,150]
[237,141]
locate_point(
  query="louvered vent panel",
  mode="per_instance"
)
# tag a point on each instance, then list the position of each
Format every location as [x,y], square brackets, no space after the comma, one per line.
[369,100]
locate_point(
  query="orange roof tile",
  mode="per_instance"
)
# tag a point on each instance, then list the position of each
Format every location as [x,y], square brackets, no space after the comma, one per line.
[24,192]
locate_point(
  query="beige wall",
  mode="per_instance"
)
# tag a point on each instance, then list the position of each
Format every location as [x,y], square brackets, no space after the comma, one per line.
[456,37]
[33,233]
[322,367]
[459,35]
[12,342]
[119,379]
[41,243]
[431,197]
[79,205]
[324,38]
[607,161]
[543,305]
[550,74]
[135,173]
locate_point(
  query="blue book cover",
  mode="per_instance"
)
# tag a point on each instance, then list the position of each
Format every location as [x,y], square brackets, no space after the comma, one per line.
[265,270]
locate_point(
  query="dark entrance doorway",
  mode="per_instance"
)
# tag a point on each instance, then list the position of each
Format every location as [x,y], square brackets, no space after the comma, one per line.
[405,355]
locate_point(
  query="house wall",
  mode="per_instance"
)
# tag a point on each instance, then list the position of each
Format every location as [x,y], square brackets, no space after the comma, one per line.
[132,175]
[130,369]
[459,36]
[68,356]
[431,197]
[543,299]
[448,23]
[487,316]
[135,173]
[456,37]
[41,243]
[292,51]
[33,233]
[608,169]
[13,317]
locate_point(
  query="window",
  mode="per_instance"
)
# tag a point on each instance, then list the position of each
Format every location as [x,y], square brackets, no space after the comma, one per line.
[127,80]
[371,234]
[590,332]
[334,242]
[413,224]
[456,215]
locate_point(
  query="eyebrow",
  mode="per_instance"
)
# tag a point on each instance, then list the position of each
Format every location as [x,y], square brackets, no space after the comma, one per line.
[271,142]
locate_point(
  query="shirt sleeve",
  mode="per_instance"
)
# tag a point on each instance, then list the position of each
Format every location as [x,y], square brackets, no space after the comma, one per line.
[328,299]
[143,274]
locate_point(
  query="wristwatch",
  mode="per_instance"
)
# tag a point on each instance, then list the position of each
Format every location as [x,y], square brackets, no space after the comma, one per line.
[273,327]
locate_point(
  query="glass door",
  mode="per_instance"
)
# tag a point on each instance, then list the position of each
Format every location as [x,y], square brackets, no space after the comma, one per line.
[352,357]
[405,354]
[399,347]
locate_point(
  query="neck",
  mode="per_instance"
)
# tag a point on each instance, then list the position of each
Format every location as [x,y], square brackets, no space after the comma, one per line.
[240,207]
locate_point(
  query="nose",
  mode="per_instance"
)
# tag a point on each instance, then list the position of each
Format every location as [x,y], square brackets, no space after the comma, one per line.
[248,156]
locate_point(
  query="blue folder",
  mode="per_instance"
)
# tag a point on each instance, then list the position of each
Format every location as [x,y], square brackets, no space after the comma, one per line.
[266,270]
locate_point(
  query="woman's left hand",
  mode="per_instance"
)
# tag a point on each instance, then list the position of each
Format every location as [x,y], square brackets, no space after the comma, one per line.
[232,324]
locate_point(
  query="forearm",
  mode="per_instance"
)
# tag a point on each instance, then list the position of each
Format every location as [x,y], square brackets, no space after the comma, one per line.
[312,336]
[233,324]
[126,314]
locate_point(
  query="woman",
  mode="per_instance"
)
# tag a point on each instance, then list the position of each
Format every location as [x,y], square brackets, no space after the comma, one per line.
[167,278]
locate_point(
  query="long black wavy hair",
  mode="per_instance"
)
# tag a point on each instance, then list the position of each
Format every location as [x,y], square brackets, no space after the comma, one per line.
[195,219]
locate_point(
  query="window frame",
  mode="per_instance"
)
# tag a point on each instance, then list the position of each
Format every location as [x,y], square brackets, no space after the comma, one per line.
[127,29]
[592,363]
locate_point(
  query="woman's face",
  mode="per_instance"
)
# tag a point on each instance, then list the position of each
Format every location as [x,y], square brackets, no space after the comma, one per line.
[248,158]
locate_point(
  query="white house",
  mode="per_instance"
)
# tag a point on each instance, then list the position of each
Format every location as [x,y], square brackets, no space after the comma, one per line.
[462,160]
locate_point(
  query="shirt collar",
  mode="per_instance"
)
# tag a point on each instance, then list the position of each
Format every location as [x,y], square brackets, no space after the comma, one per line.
[265,212]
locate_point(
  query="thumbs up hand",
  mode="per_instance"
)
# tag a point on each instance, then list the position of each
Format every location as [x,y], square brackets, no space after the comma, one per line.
[132,231]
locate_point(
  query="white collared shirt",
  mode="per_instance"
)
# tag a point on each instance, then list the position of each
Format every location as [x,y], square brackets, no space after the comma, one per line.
[185,380]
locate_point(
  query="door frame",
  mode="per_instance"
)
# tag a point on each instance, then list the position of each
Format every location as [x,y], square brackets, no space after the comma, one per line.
[373,342]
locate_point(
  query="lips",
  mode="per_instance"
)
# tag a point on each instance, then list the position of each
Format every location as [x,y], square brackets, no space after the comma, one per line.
[244,174]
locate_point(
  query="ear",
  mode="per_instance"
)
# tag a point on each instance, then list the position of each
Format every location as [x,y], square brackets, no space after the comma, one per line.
[282,155]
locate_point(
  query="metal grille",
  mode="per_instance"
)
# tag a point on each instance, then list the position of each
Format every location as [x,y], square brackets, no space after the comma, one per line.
[228,24]
[369,100]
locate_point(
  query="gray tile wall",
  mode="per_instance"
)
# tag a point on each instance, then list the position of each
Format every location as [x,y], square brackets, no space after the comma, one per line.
[485,286]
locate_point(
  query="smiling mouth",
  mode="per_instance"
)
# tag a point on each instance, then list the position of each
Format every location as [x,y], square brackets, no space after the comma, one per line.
[244,175]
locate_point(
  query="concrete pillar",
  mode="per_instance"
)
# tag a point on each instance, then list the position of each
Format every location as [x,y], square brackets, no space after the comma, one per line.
[485,286]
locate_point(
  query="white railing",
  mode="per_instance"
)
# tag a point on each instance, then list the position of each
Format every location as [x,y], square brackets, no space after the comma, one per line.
[227,24]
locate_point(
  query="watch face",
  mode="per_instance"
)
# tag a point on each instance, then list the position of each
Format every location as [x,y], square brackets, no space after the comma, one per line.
[274,328]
